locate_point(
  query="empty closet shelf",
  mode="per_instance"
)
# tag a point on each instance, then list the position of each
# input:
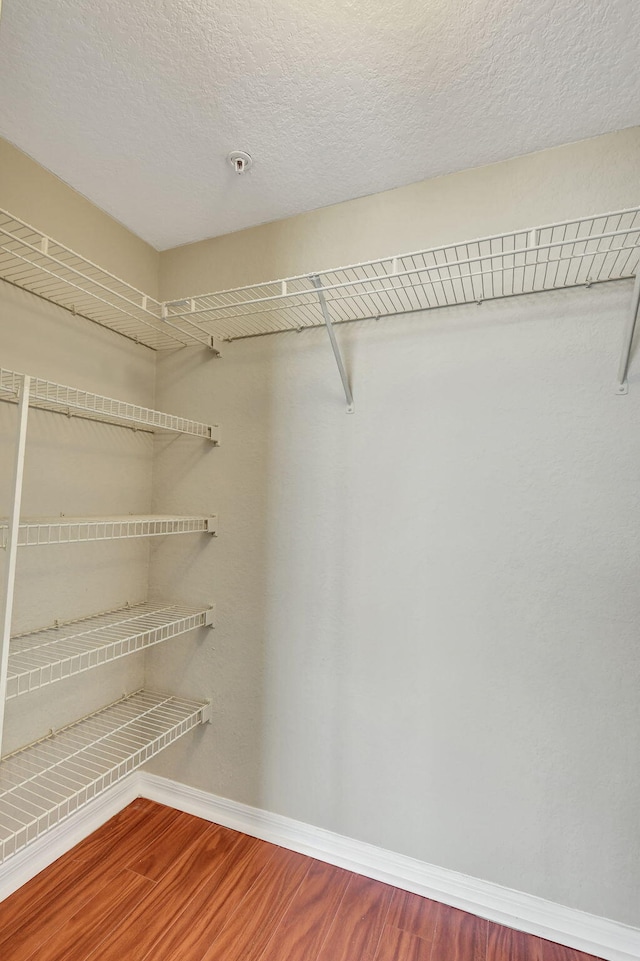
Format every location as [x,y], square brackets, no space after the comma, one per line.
[43,657]
[47,395]
[70,530]
[40,264]
[589,250]
[45,783]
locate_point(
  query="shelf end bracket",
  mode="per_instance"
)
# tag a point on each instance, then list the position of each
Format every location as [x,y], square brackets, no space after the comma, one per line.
[629,331]
[317,283]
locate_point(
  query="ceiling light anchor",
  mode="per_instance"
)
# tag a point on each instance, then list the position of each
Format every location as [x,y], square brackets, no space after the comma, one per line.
[240,161]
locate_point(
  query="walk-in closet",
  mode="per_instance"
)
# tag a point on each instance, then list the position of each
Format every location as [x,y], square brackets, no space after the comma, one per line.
[319,509]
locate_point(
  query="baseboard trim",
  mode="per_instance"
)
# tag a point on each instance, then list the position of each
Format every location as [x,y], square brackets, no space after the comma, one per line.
[576,929]
[24,865]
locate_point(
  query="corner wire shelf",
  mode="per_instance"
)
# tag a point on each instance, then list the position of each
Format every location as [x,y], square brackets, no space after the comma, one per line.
[35,532]
[43,657]
[37,263]
[46,782]
[47,395]
[580,252]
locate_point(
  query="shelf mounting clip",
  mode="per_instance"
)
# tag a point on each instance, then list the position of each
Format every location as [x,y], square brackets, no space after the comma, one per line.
[629,331]
[317,283]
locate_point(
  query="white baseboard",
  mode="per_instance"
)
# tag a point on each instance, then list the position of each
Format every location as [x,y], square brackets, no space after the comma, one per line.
[524,912]
[21,867]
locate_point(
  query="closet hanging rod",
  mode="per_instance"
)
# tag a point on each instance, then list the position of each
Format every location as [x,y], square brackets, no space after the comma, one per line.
[395,275]
[578,252]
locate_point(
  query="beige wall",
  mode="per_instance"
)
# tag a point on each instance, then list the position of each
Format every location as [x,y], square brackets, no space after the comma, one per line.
[42,200]
[571,181]
[427,611]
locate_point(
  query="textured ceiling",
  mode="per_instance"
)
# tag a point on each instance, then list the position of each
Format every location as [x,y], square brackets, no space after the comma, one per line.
[136,103]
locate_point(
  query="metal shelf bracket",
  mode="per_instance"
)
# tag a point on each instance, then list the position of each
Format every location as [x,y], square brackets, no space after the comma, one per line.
[315,280]
[627,344]
[207,712]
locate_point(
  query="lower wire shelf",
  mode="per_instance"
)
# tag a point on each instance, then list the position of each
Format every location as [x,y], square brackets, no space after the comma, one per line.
[46,782]
[44,657]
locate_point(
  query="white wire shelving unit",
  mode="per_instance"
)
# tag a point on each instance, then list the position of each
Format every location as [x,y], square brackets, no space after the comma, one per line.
[41,531]
[73,402]
[587,250]
[46,782]
[55,653]
[39,658]
[574,253]
[45,267]
[581,252]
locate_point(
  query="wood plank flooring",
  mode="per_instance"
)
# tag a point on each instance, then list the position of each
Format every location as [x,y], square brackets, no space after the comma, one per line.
[154,884]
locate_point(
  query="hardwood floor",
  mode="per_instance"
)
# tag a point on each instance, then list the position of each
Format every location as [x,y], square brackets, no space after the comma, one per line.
[154,884]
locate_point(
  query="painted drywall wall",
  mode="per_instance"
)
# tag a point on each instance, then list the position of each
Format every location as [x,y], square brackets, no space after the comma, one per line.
[553,185]
[39,198]
[427,611]
[74,467]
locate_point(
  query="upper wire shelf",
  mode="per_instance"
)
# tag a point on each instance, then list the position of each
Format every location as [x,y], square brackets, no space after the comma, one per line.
[47,395]
[573,253]
[36,262]
[46,782]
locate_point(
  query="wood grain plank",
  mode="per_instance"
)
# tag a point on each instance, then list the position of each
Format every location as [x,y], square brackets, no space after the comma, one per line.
[53,913]
[505,944]
[183,834]
[193,932]
[360,918]
[414,914]
[558,952]
[253,923]
[159,915]
[46,902]
[459,936]
[398,945]
[60,878]
[115,831]
[84,931]
[306,921]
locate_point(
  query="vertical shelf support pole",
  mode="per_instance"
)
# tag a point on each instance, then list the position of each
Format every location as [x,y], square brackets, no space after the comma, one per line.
[12,547]
[317,283]
[629,331]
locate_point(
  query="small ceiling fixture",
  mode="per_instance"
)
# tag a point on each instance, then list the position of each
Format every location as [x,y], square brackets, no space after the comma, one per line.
[240,161]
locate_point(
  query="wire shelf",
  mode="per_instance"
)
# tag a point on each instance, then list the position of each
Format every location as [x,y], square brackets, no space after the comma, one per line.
[44,657]
[35,262]
[70,530]
[47,395]
[574,253]
[46,782]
